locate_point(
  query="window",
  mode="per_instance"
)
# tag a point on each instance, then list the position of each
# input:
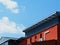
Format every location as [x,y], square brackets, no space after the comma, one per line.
[40,35]
[30,40]
[35,38]
[41,39]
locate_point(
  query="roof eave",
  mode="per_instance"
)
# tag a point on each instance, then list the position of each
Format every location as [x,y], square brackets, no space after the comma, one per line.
[43,21]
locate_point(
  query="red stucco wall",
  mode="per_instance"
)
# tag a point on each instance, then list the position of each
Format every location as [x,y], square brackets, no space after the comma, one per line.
[52,35]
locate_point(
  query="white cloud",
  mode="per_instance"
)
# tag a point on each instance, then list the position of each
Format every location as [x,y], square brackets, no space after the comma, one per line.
[7,26]
[11,5]
[15,11]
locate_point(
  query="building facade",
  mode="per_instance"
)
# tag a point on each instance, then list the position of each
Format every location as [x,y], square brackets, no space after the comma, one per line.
[8,41]
[45,30]
[22,41]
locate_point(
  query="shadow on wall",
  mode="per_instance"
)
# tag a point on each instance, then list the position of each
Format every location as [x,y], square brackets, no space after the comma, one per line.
[50,42]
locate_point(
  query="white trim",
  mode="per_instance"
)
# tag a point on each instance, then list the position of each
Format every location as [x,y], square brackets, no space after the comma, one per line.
[45,34]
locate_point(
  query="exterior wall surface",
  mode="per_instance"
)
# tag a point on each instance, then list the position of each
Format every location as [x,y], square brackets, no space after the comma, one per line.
[41,27]
[46,32]
[51,42]
[51,35]
[58,41]
[12,42]
[22,42]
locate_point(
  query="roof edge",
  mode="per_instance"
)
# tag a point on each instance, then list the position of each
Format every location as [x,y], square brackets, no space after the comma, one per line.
[43,21]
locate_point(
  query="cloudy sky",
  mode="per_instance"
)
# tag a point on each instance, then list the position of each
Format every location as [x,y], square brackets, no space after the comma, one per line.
[17,15]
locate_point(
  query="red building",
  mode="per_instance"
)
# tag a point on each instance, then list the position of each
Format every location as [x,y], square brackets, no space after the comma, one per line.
[45,31]
[22,41]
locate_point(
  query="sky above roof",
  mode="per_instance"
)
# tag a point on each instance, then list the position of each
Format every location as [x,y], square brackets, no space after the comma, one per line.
[17,15]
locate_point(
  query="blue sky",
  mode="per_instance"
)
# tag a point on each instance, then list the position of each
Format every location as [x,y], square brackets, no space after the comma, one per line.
[16,15]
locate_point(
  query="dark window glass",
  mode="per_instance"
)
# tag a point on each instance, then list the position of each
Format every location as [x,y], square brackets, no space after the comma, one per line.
[40,35]
[35,38]
[30,40]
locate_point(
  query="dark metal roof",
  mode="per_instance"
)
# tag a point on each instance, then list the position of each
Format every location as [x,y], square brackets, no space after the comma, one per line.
[57,14]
